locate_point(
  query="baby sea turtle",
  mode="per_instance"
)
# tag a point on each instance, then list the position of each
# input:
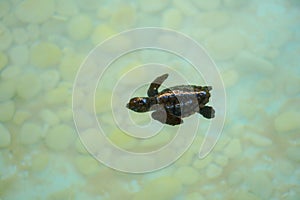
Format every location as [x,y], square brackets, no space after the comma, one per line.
[174,103]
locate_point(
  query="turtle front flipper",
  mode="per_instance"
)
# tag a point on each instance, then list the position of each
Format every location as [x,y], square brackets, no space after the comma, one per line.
[207,112]
[153,89]
[166,118]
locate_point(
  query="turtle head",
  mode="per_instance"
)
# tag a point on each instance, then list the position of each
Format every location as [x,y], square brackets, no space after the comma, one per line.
[139,104]
[204,94]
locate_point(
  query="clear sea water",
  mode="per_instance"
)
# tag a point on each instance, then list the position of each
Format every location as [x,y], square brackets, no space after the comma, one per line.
[255,48]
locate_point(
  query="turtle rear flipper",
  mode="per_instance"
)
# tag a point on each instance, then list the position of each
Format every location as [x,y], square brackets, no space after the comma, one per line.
[207,112]
[153,89]
[166,118]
